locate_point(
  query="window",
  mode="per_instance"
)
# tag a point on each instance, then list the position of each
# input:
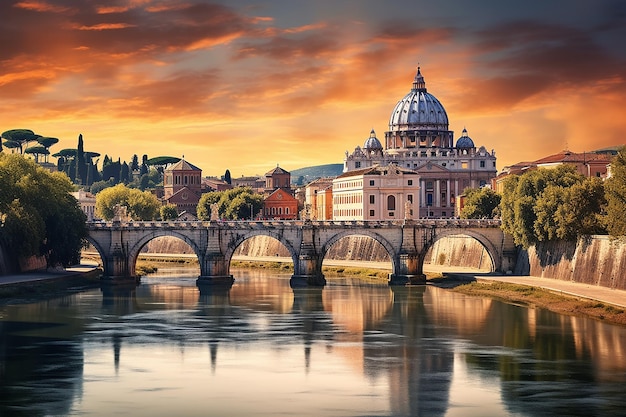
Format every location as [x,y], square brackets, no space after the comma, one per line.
[391,202]
[372,213]
[371,183]
[410,182]
[372,199]
[482,164]
[464,165]
[357,164]
[410,198]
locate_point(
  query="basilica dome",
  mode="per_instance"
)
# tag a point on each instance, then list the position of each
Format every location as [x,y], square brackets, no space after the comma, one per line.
[418,109]
[464,141]
[372,143]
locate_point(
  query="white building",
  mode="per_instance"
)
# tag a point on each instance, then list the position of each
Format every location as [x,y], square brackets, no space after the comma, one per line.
[87,203]
[375,193]
[418,139]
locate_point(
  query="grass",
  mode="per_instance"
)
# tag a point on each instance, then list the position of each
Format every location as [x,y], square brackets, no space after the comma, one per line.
[535,297]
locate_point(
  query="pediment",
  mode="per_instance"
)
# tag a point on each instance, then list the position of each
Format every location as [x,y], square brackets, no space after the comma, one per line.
[430,167]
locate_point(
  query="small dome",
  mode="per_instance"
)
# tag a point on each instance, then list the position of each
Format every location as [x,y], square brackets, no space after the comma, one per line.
[464,141]
[372,143]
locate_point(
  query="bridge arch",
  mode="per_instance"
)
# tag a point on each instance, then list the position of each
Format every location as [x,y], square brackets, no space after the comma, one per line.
[101,251]
[135,248]
[485,242]
[326,245]
[240,238]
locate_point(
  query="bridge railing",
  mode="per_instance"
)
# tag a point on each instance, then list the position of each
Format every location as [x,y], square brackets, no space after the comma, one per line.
[260,224]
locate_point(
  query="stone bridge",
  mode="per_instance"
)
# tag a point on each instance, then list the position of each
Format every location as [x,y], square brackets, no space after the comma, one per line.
[308,242]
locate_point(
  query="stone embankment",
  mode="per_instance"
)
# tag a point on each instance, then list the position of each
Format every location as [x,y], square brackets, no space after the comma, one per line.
[597,260]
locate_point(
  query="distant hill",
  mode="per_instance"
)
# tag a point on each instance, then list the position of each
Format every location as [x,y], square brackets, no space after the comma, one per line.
[303,176]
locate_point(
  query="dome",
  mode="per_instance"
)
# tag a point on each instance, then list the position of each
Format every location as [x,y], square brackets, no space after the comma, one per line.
[419,109]
[464,141]
[372,143]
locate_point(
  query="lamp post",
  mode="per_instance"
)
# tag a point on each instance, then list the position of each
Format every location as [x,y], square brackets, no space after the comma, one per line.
[251,213]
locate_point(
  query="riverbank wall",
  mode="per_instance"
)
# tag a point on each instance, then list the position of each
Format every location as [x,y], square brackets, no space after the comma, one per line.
[595,260]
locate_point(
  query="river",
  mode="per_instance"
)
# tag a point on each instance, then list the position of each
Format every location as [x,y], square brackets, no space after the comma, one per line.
[261,348]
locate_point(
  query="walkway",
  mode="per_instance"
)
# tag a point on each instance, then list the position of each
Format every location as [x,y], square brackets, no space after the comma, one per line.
[590,292]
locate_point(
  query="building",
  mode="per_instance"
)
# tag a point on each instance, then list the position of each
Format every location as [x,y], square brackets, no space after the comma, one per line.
[215,184]
[318,197]
[87,202]
[277,178]
[182,186]
[418,139]
[280,205]
[256,183]
[375,193]
[589,164]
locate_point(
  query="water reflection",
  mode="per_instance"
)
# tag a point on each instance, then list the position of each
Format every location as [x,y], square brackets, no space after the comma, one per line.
[260,347]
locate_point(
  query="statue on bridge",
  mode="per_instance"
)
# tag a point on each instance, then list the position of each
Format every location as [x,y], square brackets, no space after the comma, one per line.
[120,213]
[215,216]
[408,210]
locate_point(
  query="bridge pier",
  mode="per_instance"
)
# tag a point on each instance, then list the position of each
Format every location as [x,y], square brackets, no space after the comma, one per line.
[307,270]
[214,270]
[408,270]
[117,267]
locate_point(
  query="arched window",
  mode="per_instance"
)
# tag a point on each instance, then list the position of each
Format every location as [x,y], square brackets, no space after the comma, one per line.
[391,202]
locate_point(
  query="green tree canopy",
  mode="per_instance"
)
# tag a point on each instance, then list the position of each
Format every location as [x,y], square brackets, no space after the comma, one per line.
[37,150]
[19,138]
[480,203]
[140,205]
[235,204]
[551,204]
[169,212]
[38,215]
[615,189]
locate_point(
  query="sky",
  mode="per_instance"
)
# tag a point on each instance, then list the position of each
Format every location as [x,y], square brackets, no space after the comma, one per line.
[247,85]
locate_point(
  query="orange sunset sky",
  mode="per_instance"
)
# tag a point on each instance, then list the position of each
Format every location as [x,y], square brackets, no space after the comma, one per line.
[246,85]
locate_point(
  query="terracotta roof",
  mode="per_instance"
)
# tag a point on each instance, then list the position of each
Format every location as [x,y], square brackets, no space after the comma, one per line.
[277,170]
[572,157]
[183,165]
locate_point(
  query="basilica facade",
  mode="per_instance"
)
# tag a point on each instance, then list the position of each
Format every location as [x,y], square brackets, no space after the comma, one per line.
[418,139]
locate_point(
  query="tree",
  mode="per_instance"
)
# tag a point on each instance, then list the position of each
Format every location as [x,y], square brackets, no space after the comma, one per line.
[68,158]
[551,204]
[169,212]
[47,142]
[37,150]
[38,215]
[81,167]
[480,203]
[134,166]
[227,178]
[615,192]
[236,203]
[140,205]
[19,138]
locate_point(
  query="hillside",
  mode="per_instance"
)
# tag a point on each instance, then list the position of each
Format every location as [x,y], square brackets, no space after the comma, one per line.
[303,176]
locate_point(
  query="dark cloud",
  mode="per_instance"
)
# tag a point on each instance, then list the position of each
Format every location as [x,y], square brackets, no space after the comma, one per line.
[76,36]
[518,60]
